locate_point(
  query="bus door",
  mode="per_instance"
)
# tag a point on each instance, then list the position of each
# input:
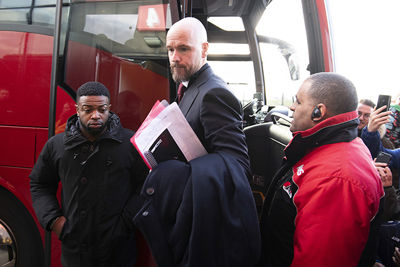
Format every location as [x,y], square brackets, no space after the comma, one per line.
[264,54]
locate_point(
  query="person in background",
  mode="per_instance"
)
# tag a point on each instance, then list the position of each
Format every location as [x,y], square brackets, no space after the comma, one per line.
[391,210]
[372,138]
[388,254]
[393,126]
[364,109]
[101,176]
[321,208]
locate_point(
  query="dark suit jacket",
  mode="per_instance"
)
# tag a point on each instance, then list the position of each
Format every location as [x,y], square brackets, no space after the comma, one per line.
[202,213]
[215,115]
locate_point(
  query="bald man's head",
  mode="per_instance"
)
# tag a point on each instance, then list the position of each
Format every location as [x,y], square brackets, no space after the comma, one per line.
[192,25]
[336,91]
[321,96]
[187,48]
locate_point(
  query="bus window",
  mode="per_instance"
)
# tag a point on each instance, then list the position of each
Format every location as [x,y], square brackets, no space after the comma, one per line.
[284,51]
[231,61]
[39,12]
[25,3]
[239,76]
[124,48]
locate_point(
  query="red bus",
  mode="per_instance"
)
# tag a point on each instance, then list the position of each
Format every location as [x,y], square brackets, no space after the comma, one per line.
[49,48]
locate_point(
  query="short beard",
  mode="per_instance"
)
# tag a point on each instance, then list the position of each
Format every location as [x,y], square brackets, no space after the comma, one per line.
[93,131]
[187,73]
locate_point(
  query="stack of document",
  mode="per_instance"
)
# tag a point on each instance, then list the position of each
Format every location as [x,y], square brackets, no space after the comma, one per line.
[165,134]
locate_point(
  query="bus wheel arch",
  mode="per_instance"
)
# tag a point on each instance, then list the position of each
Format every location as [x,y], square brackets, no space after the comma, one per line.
[20,241]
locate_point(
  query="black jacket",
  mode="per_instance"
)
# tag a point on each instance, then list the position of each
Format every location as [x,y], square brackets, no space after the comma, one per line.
[100,183]
[200,216]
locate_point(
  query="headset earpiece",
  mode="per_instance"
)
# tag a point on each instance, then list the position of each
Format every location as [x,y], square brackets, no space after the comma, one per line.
[316,113]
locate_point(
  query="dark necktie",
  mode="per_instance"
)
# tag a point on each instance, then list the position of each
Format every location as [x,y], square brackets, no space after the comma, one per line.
[181,91]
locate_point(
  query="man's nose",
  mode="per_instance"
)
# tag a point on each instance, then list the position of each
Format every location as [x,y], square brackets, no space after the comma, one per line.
[95,115]
[175,56]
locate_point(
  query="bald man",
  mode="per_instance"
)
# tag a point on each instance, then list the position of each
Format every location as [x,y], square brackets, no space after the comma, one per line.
[202,213]
[321,207]
[212,111]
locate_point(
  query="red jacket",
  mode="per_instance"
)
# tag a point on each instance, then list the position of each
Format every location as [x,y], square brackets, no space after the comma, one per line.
[338,195]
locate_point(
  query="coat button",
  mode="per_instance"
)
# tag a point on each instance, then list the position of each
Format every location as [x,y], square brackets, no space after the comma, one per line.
[145,213]
[150,191]
[83,213]
[84,180]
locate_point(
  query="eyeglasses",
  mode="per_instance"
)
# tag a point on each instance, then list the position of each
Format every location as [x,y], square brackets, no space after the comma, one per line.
[366,115]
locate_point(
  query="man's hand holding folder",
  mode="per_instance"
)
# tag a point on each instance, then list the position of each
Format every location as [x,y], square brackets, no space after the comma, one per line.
[165,134]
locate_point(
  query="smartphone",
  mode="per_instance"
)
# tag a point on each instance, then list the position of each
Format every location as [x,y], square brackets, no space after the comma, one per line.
[383,157]
[384,100]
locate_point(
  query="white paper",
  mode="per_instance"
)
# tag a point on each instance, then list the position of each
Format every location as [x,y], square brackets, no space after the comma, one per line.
[170,118]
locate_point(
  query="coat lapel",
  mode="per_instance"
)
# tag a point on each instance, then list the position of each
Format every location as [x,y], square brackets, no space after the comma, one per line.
[188,99]
[193,91]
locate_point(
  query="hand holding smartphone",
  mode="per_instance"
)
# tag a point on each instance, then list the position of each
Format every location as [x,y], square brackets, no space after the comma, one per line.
[383,157]
[382,101]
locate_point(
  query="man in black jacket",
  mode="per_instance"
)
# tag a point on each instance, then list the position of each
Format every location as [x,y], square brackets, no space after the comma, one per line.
[101,175]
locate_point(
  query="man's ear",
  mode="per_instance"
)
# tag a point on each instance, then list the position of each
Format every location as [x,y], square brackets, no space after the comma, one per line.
[324,110]
[319,112]
[204,50]
[76,107]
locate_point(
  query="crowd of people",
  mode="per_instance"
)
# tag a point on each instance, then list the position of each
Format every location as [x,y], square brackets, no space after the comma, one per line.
[326,205]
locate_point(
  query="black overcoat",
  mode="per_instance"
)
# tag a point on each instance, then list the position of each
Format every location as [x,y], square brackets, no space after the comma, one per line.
[100,181]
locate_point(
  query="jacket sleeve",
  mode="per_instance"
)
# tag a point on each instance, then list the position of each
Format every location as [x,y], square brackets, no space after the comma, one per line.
[43,186]
[135,202]
[373,141]
[391,210]
[331,213]
[221,117]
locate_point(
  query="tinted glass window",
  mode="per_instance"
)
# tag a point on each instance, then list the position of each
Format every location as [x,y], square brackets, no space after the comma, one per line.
[122,45]
[38,12]
[14,15]
[27,3]
[284,50]
[238,74]
[14,3]
[120,28]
